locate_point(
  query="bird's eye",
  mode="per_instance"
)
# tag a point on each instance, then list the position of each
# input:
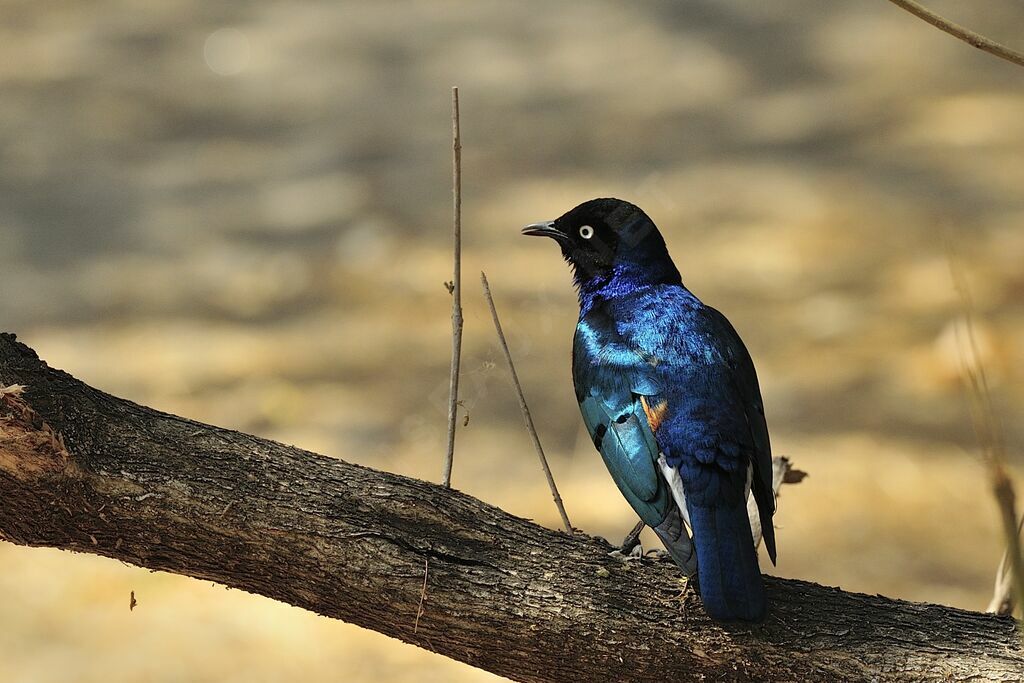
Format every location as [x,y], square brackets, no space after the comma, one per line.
[586,232]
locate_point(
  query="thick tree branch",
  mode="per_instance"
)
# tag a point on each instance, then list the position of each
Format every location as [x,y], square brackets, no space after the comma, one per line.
[82,470]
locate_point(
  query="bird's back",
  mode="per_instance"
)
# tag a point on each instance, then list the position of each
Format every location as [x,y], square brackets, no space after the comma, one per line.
[682,361]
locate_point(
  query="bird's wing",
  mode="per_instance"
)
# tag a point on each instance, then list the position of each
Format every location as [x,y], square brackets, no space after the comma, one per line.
[618,392]
[737,381]
[620,432]
[610,380]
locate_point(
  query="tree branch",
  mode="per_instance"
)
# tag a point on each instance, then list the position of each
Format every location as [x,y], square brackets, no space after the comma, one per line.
[84,471]
[968,36]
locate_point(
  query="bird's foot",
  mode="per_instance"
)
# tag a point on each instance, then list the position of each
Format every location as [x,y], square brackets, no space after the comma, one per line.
[633,555]
[658,554]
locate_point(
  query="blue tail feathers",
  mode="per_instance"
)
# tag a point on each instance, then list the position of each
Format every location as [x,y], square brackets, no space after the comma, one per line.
[730,579]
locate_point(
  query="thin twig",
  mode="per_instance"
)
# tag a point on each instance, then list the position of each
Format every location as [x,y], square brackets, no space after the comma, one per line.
[527,418]
[968,36]
[456,287]
[423,595]
[986,426]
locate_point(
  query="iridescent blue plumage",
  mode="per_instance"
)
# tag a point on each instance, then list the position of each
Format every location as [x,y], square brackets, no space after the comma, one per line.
[669,394]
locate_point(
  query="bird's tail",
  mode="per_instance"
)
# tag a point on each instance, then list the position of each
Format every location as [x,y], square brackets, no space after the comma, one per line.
[730,580]
[673,534]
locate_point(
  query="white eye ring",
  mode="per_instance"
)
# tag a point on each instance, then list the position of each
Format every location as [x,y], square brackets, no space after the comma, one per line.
[586,232]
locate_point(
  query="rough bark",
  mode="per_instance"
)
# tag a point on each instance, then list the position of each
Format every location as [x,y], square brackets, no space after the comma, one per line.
[85,471]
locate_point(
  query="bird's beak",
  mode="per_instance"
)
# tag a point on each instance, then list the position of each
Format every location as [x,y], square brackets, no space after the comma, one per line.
[545,229]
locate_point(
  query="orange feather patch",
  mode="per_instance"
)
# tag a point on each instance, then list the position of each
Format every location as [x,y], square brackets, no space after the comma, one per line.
[655,414]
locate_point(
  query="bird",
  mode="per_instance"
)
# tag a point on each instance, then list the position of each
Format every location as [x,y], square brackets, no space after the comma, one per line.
[669,394]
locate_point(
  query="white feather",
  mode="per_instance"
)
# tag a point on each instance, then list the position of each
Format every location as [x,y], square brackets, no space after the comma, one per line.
[752,511]
[675,485]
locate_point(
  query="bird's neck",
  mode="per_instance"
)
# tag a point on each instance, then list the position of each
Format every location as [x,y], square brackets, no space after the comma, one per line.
[623,280]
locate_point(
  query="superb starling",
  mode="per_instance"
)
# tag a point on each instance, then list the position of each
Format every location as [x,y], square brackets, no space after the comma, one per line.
[670,397]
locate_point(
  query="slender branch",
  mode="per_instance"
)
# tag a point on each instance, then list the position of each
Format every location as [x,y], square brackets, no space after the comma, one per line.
[456,288]
[968,36]
[527,417]
[84,471]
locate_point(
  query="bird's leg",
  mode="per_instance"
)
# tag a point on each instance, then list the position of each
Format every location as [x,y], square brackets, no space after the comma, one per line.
[630,548]
[688,584]
[632,540]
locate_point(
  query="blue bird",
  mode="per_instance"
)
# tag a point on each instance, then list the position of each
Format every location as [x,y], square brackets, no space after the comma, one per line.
[669,395]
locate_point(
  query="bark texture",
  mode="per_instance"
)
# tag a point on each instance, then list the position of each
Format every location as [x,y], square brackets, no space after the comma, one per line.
[85,471]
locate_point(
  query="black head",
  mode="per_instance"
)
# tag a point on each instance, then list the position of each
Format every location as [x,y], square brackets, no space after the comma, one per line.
[604,238]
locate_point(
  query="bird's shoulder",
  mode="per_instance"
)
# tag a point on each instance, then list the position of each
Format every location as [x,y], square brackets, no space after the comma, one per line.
[652,340]
[667,324]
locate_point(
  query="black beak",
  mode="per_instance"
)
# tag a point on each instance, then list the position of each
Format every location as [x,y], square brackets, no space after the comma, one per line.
[545,229]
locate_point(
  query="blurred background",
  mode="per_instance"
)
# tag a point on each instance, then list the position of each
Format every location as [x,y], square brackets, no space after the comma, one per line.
[240,213]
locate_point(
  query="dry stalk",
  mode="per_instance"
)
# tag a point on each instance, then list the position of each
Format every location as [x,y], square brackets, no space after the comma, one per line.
[527,418]
[456,288]
[986,425]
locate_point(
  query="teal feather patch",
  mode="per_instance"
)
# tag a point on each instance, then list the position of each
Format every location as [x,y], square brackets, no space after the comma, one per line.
[630,452]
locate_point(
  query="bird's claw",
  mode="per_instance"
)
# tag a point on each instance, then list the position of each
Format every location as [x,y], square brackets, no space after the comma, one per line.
[633,555]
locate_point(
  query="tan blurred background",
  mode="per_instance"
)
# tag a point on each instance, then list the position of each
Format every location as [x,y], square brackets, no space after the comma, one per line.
[240,213]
